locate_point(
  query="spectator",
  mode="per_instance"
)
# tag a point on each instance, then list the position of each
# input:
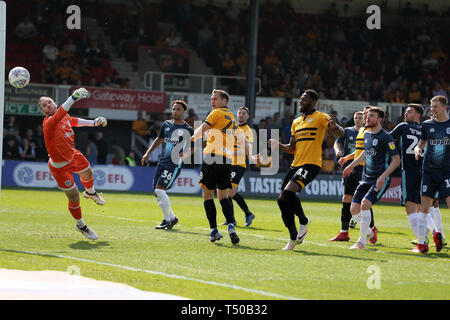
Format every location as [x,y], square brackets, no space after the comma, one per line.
[173,40]
[70,47]
[38,139]
[414,94]
[161,42]
[27,150]
[64,71]
[140,126]
[130,159]
[26,29]
[50,51]
[94,54]
[191,117]
[91,152]
[438,91]
[119,154]
[102,148]
[11,129]
[11,150]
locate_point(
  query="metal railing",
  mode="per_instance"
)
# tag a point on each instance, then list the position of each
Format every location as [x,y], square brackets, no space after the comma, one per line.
[138,144]
[191,82]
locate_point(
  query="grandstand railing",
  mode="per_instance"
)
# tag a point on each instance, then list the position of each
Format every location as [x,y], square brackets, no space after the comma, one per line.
[191,82]
[138,144]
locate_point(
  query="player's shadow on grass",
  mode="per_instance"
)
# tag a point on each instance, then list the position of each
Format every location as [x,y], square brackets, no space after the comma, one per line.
[257,229]
[240,246]
[311,253]
[88,245]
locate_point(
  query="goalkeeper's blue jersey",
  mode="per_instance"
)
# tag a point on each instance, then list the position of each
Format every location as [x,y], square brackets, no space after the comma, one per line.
[173,134]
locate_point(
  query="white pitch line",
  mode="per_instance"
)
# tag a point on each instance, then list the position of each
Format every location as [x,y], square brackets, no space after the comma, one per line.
[176,276]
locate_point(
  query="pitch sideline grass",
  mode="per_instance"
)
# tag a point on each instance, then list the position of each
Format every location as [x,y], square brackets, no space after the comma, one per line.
[39,222]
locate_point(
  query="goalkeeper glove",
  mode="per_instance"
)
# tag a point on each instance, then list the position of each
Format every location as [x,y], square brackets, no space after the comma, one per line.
[80,93]
[100,121]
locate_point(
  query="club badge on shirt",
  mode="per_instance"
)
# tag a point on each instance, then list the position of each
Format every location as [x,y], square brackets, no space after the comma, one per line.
[392,145]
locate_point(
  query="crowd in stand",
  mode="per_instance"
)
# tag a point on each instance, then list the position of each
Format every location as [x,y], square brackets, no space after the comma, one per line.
[331,53]
[38,39]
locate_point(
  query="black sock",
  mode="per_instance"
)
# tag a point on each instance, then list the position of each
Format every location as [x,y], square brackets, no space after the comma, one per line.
[242,204]
[232,207]
[211,213]
[295,205]
[288,218]
[227,210]
[372,222]
[346,215]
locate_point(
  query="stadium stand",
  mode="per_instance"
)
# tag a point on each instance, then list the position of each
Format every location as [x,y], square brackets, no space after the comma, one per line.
[406,62]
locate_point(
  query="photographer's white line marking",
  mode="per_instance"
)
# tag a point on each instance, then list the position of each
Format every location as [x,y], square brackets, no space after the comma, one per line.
[226,285]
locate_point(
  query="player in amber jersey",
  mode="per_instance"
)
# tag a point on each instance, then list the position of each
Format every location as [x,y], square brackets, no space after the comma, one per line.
[239,164]
[64,159]
[308,132]
[217,158]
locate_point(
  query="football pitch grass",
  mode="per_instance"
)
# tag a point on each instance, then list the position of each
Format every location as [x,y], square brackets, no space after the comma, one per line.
[38,233]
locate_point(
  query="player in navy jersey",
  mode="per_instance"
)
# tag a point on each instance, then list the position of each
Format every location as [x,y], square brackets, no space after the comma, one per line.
[379,147]
[172,133]
[344,146]
[408,133]
[434,145]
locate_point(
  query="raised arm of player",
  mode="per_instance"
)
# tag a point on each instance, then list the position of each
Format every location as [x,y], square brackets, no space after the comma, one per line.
[337,130]
[156,143]
[80,122]
[78,94]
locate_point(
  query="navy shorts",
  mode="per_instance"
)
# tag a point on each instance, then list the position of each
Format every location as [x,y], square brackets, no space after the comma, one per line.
[367,190]
[411,179]
[352,181]
[436,180]
[165,175]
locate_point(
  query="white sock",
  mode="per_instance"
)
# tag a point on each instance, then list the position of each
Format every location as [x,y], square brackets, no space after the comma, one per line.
[164,204]
[344,231]
[437,219]
[430,221]
[80,222]
[90,190]
[357,218]
[364,229]
[413,223]
[421,227]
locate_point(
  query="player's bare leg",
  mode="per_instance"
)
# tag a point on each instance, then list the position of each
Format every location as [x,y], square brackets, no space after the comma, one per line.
[75,210]
[87,180]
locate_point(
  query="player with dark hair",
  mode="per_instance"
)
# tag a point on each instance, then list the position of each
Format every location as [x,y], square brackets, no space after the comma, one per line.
[359,169]
[308,132]
[173,132]
[344,146]
[64,160]
[408,133]
[378,147]
[435,137]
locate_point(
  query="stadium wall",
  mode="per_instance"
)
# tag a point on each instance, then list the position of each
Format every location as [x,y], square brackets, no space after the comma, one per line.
[140,179]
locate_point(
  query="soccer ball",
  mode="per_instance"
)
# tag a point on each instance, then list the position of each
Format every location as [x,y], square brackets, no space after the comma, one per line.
[19,77]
